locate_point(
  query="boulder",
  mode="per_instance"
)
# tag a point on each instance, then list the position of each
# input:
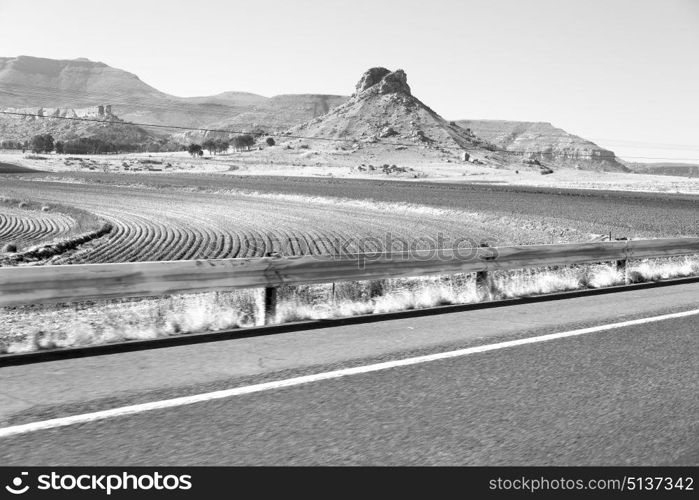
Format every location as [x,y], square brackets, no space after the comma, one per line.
[387,132]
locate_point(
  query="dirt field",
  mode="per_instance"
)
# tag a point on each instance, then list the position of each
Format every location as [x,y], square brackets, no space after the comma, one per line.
[319,162]
[191,216]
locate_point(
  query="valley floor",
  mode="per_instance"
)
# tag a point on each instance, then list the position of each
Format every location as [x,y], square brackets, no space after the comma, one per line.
[396,165]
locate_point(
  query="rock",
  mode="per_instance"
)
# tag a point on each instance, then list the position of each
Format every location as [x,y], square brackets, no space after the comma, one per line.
[420,136]
[387,132]
[370,78]
[465,156]
[396,82]
[387,82]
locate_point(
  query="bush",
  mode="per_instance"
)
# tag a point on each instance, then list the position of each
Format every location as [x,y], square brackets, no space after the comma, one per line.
[270,141]
[9,248]
[245,141]
[195,150]
[42,143]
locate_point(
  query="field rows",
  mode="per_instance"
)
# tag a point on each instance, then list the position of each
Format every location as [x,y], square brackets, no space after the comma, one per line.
[22,226]
[177,221]
[151,225]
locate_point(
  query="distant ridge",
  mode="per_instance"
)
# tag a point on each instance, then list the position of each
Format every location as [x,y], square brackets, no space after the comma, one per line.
[382,106]
[33,82]
[542,141]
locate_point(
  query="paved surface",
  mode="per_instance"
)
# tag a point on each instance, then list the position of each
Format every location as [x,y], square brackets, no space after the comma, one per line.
[624,396]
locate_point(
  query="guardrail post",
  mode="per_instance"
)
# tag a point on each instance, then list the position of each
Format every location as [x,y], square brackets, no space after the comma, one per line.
[270,298]
[484,285]
[622,268]
[621,265]
[270,309]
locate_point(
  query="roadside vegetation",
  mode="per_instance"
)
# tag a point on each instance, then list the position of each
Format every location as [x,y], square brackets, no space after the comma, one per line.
[31,328]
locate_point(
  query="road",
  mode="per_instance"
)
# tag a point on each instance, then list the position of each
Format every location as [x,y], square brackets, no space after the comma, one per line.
[622,392]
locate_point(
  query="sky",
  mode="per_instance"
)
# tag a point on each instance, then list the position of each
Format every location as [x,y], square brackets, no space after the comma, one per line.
[623,73]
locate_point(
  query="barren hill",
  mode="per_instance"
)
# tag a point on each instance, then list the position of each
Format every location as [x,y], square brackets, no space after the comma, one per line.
[384,109]
[103,125]
[544,142]
[273,115]
[32,82]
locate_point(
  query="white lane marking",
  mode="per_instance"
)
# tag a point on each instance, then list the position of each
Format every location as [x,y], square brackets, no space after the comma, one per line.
[306,379]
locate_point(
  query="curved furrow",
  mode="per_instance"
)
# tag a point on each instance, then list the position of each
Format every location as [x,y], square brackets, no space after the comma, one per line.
[116,239]
[142,235]
[127,246]
[231,248]
[175,239]
[183,242]
[161,238]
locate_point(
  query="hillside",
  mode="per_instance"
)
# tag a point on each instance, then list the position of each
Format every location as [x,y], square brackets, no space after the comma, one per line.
[103,125]
[665,168]
[273,115]
[381,109]
[384,109]
[32,82]
[544,142]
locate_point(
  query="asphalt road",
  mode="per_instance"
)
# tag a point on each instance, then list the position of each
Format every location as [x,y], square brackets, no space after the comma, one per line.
[624,396]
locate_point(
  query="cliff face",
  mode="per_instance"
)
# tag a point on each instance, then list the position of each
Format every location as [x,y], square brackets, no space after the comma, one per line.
[542,141]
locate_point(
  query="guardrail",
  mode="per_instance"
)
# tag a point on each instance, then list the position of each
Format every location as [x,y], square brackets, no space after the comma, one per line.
[70,283]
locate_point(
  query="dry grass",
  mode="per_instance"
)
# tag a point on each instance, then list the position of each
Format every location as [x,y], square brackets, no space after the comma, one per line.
[45,327]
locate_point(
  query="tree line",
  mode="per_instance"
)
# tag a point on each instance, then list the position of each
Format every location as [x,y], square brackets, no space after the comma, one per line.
[45,143]
[241,142]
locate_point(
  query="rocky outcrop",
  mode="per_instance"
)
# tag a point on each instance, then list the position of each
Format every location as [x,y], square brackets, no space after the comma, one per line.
[371,77]
[383,81]
[383,109]
[543,142]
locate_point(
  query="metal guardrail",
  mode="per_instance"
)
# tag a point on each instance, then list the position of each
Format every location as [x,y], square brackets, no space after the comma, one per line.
[70,283]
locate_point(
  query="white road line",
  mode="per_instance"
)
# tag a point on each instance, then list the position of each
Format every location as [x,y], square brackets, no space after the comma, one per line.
[278,384]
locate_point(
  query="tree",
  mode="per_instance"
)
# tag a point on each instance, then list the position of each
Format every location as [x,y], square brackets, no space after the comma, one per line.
[59,147]
[42,143]
[222,145]
[209,144]
[195,150]
[245,141]
[270,141]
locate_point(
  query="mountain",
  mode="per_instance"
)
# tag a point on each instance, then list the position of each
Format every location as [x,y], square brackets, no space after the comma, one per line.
[32,82]
[384,109]
[101,124]
[665,168]
[546,143]
[273,115]
[381,109]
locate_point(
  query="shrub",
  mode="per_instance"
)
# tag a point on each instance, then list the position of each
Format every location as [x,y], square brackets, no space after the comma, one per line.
[42,143]
[245,141]
[195,150]
[270,141]
[9,248]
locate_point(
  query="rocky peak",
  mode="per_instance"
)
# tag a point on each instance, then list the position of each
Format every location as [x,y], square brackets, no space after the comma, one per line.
[385,81]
